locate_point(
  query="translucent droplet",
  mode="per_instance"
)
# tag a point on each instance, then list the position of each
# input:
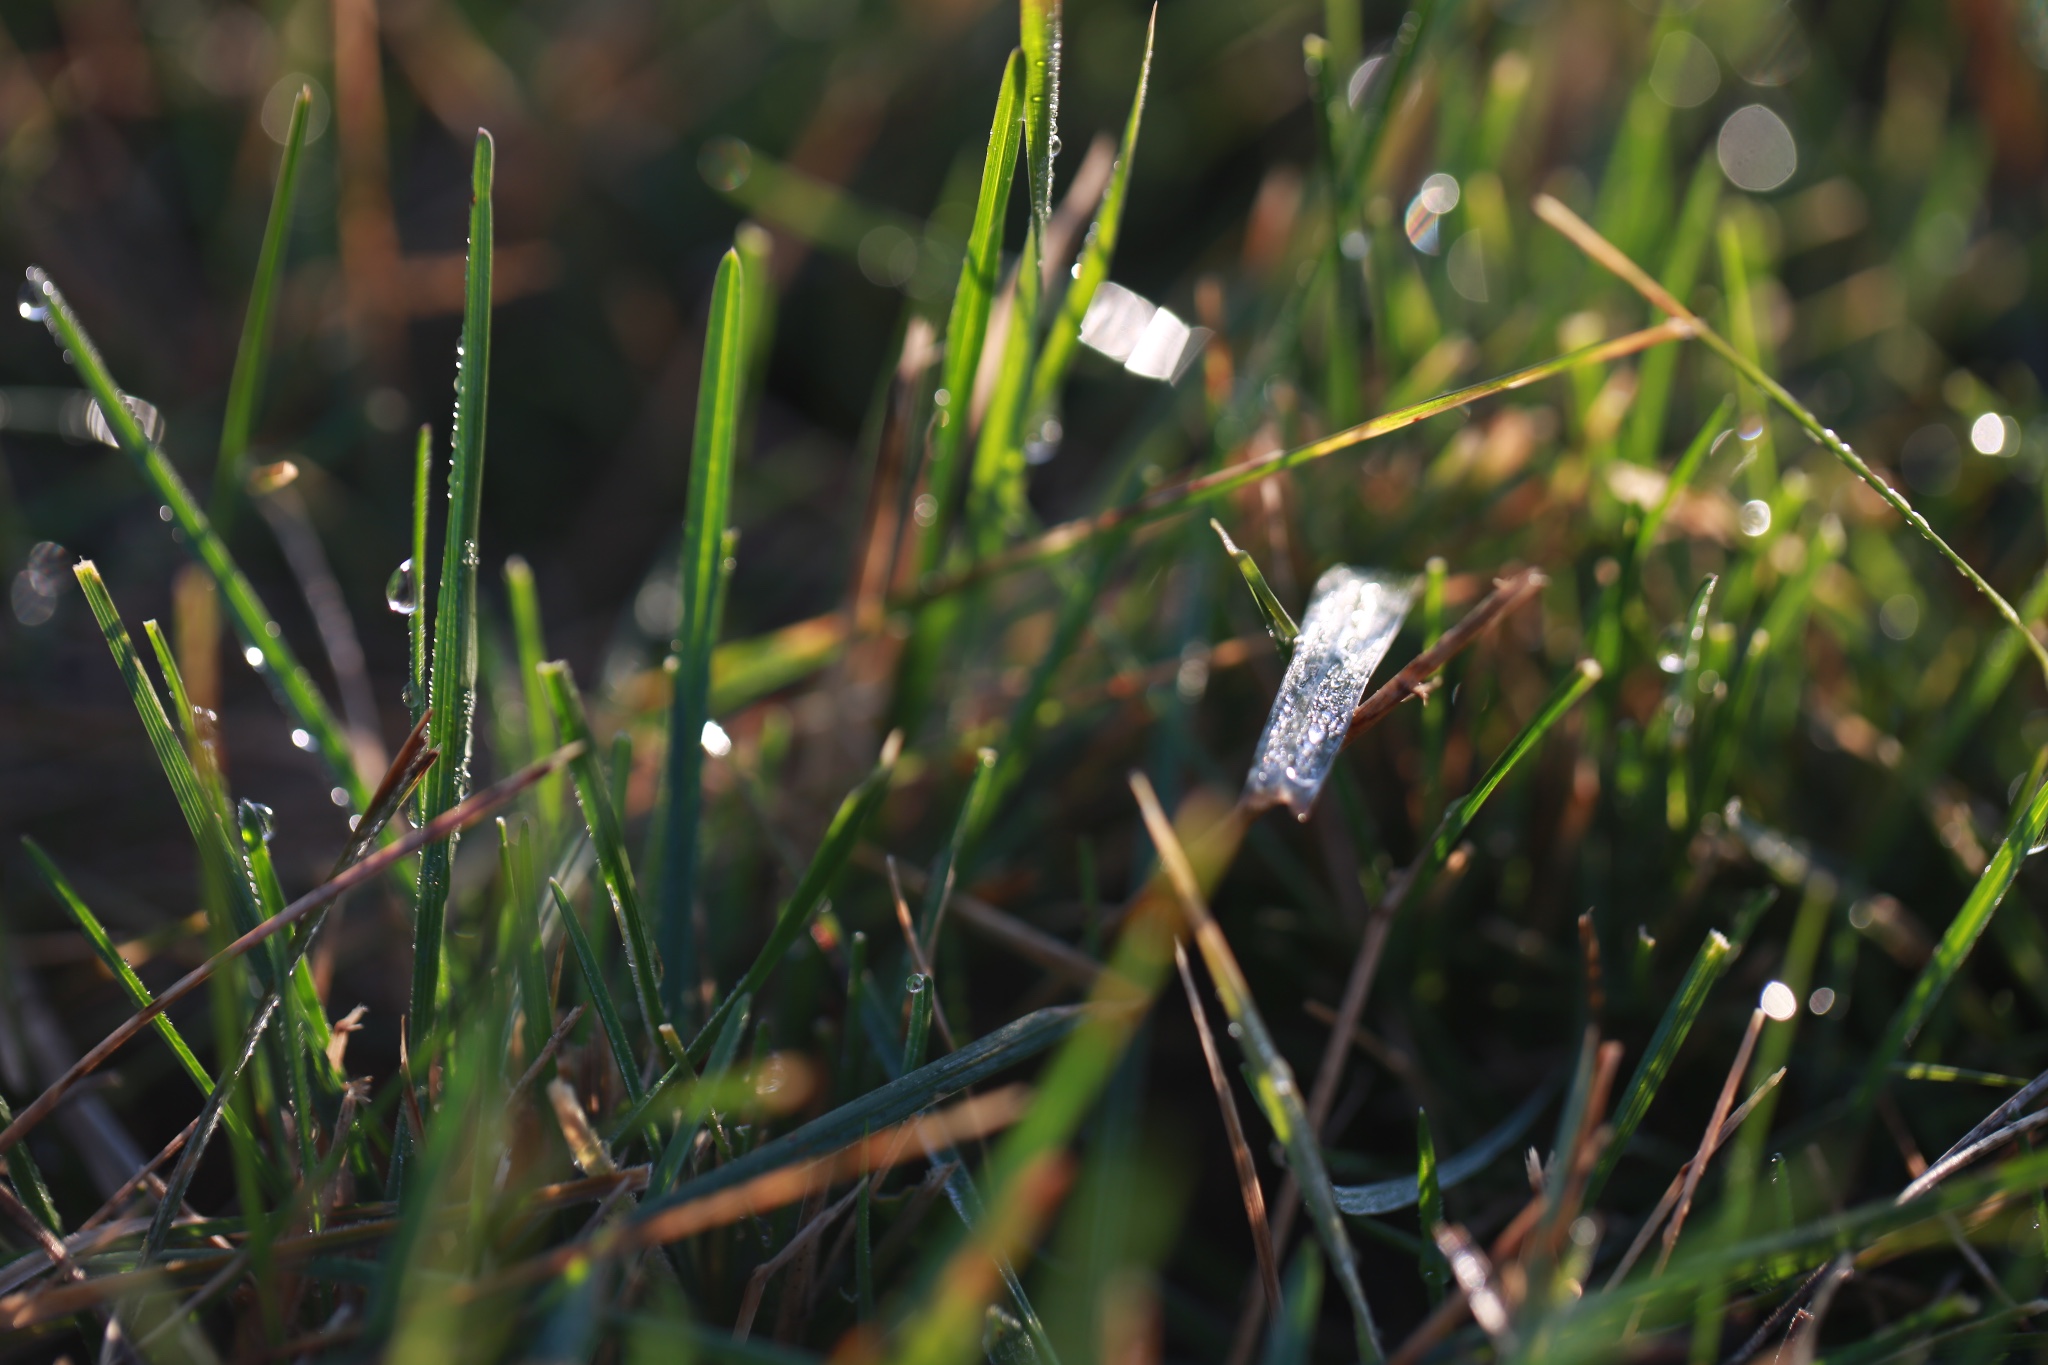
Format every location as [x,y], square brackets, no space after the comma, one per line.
[258,822]
[205,715]
[253,657]
[409,695]
[402,589]
[33,304]
[1755,517]
[1751,428]
[302,739]
[715,740]
[1670,660]
[339,796]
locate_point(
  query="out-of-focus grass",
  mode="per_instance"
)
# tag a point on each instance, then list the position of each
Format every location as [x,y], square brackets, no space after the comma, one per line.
[1709,334]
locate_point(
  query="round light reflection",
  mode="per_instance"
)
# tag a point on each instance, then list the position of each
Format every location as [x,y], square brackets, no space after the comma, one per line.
[1987,434]
[1756,149]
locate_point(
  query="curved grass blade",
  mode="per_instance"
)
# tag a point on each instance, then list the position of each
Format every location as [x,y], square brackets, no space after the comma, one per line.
[1713,958]
[888,1104]
[452,688]
[172,1202]
[967,323]
[1064,332]
[600,994]
[247,377]
[1272,1078]
[721,393]
[1279,624]
[1681,476]
[2025,832]
[1185,496]
[1353,616]
[262,644]
[608,839]
[1385,1196]
[817,883]
[1600,249]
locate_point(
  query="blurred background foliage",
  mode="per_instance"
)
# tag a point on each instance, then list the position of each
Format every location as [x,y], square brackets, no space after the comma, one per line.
[1895,236]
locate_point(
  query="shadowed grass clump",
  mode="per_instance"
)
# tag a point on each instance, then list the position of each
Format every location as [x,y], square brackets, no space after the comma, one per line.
[1656,389]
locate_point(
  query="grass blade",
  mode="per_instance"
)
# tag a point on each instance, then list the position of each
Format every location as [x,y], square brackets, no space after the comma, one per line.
[827,864]
[1681,477]
[2028,827]
[600,994]
[608,838]
[974,814]
[967,323]
[452,688]
[1681,271]
[247,378]
[1039,35]
[1429,1194]
[262,644]
[1064,332]
[532,650]
[721,392]
[1279,624]
[1714,957]
[1272,1078]
[1385,1196]
[419,581]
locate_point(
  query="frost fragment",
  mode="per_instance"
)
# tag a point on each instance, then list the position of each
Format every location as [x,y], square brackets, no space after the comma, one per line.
[1353,616]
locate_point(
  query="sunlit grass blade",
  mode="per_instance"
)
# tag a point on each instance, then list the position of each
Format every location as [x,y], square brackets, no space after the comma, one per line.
[608,838]
[1279,624]
[452,688]
[1271,1077]
[532,650]
[1436,1271]
[669,1168]
[974,814]
[1681,477]
[1063,333]
[1590,242]
[600,994]
[967,322]
[995,479]
[171,1204]
[2025,832]
[1038,23]
[819,879]
[721,394]
[202,817]
[1185,496]
[262,643]
[1713,958]
[1681,271]
[246,381]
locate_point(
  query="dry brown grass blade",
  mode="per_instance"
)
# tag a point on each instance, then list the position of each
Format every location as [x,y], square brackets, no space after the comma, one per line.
[757,1283]
[467,813]
[918,955]
[1709,1139]
[1032,944]
[1240,1150]
[1508,594]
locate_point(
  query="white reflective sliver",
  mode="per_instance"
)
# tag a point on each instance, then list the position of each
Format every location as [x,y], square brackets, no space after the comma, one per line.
[1151,342]
[1353,616]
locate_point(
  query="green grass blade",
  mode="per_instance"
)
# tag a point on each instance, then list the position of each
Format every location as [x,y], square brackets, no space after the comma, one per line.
[27,1179]
[2025,832]
[452,688]
[202,817]
[994,487]
[974,815]
[1436,1271]
[1279,624]
[721,393]
[600,994]
[823,874]
[1713,958]
[917,1033]
[172,1199]
[421,580]
[1385,1196]
[262,643]
[532,650]
[1459,813]
[1038,24]
[1681,272]
[899,1099]
[1064,333]
[247,378]
[519,938]
[608,838]
[669,1168]
[967,323]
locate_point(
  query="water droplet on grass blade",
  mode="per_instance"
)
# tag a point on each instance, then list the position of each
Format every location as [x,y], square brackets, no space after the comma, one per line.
[402,589]
[302,739]
[145,414]
[1352,619]
[33,302]
[1755,517]
[258,822]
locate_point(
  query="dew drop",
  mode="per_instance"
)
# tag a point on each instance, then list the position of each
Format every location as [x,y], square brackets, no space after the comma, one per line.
[339,796]
[409,695]
[402,589]
[33,303]
[302,739]
[1670,660]
[1751,428]
[258,821]
[253,656]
